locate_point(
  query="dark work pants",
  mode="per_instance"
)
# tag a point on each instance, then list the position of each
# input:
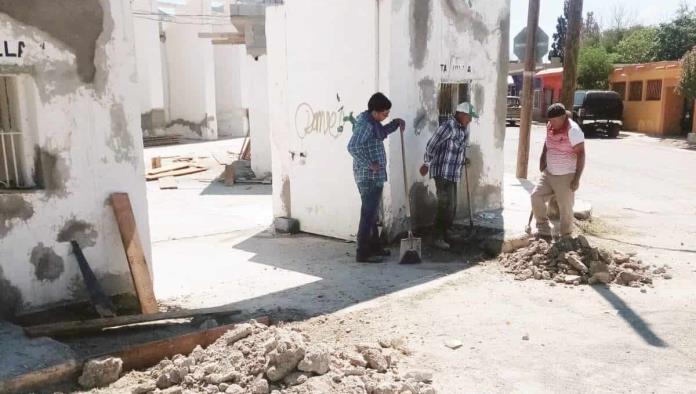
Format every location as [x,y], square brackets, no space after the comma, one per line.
[446,206]
[368,233]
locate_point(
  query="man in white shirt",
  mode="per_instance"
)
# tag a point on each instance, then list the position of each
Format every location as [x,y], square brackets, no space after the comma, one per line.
[562,163]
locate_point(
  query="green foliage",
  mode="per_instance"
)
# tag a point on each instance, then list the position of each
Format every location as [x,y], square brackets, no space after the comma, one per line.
[677,37]
[594,67]
[637,47]
[687,83]
[559,37]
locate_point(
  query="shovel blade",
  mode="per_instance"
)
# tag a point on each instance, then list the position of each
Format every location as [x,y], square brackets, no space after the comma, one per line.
[410,244]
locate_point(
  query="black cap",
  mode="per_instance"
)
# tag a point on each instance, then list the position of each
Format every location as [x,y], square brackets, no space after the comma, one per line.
[555,110]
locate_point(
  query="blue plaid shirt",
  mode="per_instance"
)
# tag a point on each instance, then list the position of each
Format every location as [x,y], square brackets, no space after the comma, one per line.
[367,147]
[446,151]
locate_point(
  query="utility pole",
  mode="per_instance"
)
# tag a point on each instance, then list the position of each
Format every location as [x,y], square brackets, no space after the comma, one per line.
[571,50]
[527,89]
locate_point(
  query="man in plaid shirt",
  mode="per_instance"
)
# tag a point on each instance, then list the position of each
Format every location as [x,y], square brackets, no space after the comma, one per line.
[370,172]
[445,155]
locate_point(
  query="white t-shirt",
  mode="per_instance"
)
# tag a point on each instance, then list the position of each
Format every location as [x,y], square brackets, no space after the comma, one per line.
[560,156]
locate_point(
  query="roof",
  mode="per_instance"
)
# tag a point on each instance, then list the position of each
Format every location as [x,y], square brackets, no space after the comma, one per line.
[550,71]
[647,66]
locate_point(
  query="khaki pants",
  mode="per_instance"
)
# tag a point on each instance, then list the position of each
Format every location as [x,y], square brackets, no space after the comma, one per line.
[558,186]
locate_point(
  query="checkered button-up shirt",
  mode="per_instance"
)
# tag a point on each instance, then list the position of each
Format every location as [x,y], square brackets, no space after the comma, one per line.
[446,151]
[367,146]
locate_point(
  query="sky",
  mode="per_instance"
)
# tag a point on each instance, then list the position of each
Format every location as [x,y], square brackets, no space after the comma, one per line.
[647,12]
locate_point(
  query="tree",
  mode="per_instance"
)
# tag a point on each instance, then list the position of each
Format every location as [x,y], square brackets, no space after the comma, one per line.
[687,83]
[558,45]
[675,38]
[637,47]
[591,33]
[594,67]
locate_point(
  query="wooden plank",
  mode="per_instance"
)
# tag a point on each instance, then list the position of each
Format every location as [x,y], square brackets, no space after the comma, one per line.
[171,167]
[228,175]
[41,378]
[135,255]
[156,162]
[168,183]
[96,325]
[229,41]
[185,171]
[149,354]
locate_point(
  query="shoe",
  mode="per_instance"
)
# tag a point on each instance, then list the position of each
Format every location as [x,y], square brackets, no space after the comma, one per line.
[441,244]
[368,259]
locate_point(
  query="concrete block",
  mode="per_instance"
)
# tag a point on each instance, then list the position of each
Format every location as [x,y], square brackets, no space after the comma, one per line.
[286,225]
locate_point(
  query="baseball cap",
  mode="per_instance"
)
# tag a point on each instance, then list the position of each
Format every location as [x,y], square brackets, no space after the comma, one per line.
[467,108]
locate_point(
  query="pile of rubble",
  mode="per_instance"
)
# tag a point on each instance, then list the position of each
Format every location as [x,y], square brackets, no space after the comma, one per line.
[254,358]
[574,261]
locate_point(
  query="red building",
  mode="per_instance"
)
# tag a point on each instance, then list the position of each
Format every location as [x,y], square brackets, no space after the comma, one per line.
[547,90]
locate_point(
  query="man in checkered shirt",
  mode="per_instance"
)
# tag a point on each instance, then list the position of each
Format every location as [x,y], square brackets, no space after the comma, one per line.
[370,172]
[445,156]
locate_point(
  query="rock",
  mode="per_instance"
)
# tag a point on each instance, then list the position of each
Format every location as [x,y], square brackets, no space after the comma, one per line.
[376,360]
[316,360]
[295,378]
[229,376]
[575,261]
[235,389]
[143,388]
[198,353]
[601,277]
[290,350]
[625,278]
[164,381]
[598,266]
[355,359]
[453,344]
[667,276]
[100,372]
[172,390]
[545,275]
[524,275]
[525,337]
[387,387]
[419,376]
[223,387]
[659,271]
[239,332]
[260,386]
[571,279]
[643,291]
[583,242]
[356,371]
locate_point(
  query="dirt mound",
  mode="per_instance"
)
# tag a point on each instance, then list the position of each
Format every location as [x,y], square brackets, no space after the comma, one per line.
[574,261]
[253,358]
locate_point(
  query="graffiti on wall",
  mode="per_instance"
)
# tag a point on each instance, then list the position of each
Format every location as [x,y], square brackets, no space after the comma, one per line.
[310,121]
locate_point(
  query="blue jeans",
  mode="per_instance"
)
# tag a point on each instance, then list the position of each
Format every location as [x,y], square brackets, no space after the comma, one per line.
[368,233]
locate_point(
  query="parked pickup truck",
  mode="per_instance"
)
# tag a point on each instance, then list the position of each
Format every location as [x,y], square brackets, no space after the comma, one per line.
[513,110]
[598,111]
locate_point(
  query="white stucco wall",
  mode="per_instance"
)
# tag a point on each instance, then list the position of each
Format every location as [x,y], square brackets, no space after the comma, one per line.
[149,65]
[190,63]
[228,86]
[82,118]
[256,100]
[332,51]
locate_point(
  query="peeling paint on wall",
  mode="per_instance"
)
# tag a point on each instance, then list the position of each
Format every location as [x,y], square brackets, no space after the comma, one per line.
[503,60]
[10,297]
[121,140]
[285,196]
[80,231]
[195,127]
[76,23]
[420,26]
[152,120]
[13,207]
[47,264]
[479,98]
[51,173]
[428,100]
[466,19]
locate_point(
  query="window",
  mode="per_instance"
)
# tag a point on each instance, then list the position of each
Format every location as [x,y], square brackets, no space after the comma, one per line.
[654,90]
[451,95]
[635,92]
[620,88]
[11,169]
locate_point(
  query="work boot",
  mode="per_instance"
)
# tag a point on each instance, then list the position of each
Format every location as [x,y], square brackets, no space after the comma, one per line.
[441,244]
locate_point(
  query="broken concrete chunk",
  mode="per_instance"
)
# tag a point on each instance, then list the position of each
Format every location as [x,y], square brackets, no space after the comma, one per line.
[235,389]
[260,386]
[240,332]
[601,277]
[571,279]
[285,357]
[286,225]
[419,376]
[144,388]
[575,262]
[376,360]
[100,372]
[316,360]
[625,278]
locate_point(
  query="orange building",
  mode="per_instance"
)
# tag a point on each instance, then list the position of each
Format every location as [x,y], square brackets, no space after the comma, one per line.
[652,104]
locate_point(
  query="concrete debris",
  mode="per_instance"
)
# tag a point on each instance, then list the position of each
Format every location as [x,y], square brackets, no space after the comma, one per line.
[574,261]
[454,344]
[100,372]
[257,359]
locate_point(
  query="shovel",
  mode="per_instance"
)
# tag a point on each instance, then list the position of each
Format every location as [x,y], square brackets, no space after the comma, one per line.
[410,252]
